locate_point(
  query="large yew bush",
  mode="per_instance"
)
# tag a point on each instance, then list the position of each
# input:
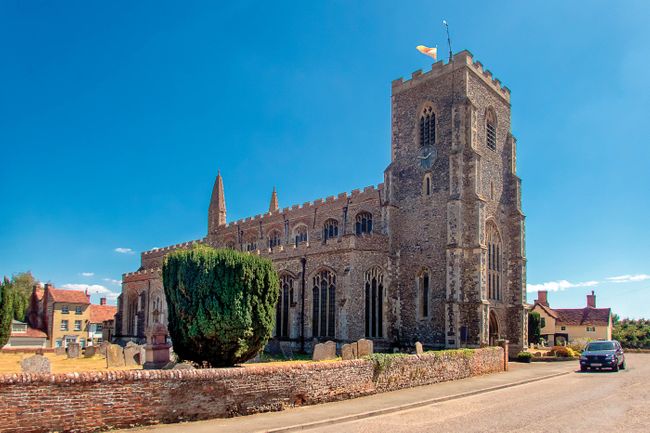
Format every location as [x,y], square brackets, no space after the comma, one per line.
[221,304]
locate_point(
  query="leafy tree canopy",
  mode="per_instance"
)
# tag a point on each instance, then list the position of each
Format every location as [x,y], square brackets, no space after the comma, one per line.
[221,304]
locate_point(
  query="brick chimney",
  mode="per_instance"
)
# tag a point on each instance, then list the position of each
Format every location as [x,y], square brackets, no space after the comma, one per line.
[102,301]
[542,297]
[591,300]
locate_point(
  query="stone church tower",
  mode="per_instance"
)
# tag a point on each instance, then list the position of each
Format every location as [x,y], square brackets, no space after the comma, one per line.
[453,197]
[434,254]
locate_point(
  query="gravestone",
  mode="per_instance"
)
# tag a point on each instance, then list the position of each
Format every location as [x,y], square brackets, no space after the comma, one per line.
[323,351]
[59,351]
[349,351]
[35,364]
[418,348]
[74,350]
[183,366]
[157,352]
[90,351]
[102,347]
[132,355]
[364,348]
[114,356]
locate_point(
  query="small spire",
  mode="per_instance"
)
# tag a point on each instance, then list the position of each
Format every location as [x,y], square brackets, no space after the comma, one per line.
[217,210]
[273,206]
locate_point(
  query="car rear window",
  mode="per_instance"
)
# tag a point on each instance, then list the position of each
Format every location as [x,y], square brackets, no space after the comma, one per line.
[601,345]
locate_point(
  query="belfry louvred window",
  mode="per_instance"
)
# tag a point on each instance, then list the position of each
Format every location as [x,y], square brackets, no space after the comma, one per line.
[491,129]
[330,229]
[324,304]
[427,127]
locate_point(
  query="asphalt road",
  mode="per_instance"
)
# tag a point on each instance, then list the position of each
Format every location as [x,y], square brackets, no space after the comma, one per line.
[580,402]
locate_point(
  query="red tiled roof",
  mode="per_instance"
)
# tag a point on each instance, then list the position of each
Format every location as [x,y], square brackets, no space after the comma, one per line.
[30,333]
[548,310]
[99,313]
[69,296]
[583,316]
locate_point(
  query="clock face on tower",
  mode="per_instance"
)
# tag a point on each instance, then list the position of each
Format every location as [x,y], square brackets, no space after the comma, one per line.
[427,156]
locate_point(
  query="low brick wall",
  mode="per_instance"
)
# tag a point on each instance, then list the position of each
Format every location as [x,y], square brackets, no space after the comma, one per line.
[92,401]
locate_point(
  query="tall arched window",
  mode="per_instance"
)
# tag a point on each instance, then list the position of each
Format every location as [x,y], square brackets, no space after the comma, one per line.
[491,129]
[157,309]
[324,304]
[374,282]
[275,239]
[427,127]
[363,223]
[494,262]
[251,243]
[330,229]
[300,234]
[282,308]
[423,293]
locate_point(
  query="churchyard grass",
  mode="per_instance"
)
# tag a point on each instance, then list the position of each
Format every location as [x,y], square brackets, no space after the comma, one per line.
[10,363]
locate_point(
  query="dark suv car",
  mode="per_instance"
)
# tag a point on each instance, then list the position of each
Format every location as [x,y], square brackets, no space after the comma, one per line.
[603,354]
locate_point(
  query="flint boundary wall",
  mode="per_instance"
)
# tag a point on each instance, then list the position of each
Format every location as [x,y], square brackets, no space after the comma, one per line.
[94,401]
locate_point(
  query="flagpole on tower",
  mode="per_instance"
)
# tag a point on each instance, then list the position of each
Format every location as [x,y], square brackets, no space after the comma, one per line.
[444,22]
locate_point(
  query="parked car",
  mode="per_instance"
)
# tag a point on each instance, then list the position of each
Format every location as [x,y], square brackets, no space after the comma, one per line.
[603,354]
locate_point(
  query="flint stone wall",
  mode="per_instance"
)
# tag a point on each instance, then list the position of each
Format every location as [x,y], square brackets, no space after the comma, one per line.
[144,397]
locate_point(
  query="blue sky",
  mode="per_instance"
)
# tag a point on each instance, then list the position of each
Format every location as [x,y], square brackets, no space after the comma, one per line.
[115,116]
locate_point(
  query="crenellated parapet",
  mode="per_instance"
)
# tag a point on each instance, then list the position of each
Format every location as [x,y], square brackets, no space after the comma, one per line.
[461,60]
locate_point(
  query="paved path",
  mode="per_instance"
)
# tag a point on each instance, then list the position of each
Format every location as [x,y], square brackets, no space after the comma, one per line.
[295,419]
[579,402]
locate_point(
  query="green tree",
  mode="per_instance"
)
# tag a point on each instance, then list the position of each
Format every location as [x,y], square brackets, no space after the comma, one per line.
[221,304]
[534,327]
[22,285]
[6,310]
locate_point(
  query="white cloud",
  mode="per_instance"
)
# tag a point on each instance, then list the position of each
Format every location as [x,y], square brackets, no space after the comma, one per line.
[87,274]
[122,250]
[112,281]
[629,278]
[555,286]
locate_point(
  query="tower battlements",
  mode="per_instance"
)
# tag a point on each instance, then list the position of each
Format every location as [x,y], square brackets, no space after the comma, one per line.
[463,59]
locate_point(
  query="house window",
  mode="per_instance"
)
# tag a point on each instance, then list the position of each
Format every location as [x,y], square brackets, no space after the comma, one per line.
[330,229]
[427,127]
[494,262]
[323,304]
[64,325]
[65,310]
[591,329]
[300,234]
[543,322]
[77,310]
[374,285]
[98,328]
[77,325]
[562,328]
[491,129]
[82,343]
[282,308]
[59,343]
[363,223]
[274,239]
[423,293]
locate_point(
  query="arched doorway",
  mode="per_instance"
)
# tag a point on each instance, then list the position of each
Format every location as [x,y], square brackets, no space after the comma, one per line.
[493,329]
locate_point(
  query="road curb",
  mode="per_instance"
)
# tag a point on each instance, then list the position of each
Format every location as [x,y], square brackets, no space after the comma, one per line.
[392,409]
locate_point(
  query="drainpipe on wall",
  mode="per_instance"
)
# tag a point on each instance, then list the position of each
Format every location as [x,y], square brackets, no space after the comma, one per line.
[303,262]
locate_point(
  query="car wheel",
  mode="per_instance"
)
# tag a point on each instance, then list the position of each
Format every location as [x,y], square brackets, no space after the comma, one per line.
[615,367]
[623,365]
[583,368]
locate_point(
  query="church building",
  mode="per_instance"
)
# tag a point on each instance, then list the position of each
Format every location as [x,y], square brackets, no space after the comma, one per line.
[433,254]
